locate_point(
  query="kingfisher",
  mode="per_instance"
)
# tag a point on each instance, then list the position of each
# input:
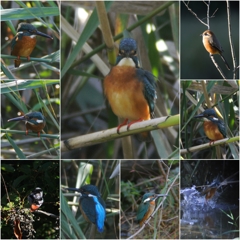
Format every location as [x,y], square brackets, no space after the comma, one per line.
[35,199]
[34,121]
[210,190]
[91,205]
[147,206]
[130,90]
[213,127]
[25,41]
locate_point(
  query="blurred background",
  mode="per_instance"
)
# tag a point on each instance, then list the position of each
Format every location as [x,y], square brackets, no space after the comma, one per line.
[223,98]
[18,180]
[84,106]
[195,60]
[44,16]
[21,97]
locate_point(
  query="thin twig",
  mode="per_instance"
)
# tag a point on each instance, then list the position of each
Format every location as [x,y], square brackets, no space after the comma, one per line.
[230,39]
[47,213]
[208,9]
[5,189]
[216,65]
[207,145]
[186,4]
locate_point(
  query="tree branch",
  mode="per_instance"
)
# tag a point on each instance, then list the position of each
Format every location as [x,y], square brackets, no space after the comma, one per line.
[111,134]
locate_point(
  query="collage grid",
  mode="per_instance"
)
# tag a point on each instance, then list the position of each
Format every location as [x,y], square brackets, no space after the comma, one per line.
[120,120]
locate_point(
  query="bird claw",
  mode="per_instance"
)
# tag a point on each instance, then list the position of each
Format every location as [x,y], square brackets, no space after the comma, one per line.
[122,124]
[128,125]
[211,143]
[139,120]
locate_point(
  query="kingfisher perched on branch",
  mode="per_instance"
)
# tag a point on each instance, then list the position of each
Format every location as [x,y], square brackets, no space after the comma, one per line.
[213,127]
[91,205]
[130,90]
[35,199]
[34,121]
[147,206]
[25,41]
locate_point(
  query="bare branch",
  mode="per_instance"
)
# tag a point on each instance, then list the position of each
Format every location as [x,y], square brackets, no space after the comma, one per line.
[218,68]
[207,145]
[186,4]
[230,40]
[111,134]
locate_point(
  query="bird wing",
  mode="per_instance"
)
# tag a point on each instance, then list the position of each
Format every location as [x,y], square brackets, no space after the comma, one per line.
[215,43]
[142,209]
[220,125]
[222,129]
[15,39]
[149,87]
[89,206]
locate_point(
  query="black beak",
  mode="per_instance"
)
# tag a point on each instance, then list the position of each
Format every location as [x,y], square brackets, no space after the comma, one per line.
[43,35]
[72,189]
[22,118]
[199,116]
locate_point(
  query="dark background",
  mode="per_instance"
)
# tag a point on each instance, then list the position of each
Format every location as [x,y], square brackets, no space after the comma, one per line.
[21,178]
[195,60]
[203,172]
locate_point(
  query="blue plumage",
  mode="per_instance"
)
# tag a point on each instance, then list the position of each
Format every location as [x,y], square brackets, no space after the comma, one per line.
[100,214]
[149,87]
[92,205]
[128,49]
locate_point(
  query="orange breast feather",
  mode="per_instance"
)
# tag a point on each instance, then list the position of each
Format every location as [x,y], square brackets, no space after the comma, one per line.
[148,213]
[125,94]
[24,46]
[212,131]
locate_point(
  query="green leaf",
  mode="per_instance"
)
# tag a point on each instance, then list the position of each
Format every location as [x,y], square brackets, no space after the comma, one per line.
[27,13]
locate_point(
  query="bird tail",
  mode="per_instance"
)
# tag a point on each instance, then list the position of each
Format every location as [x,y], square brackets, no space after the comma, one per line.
[225,61]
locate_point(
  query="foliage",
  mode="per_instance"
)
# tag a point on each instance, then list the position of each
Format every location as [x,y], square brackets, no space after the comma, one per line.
[22,97]
[96,172]
[19,178]
[84,109]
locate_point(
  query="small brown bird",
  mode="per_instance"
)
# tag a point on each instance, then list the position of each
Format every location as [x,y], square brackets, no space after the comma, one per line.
[212,45]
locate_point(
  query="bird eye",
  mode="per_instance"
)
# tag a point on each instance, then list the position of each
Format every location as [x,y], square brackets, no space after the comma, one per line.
[133,52]
[121,52]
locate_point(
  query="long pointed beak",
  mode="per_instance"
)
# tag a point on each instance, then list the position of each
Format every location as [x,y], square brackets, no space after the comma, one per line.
[73,189]
[22,118]
[43,35]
